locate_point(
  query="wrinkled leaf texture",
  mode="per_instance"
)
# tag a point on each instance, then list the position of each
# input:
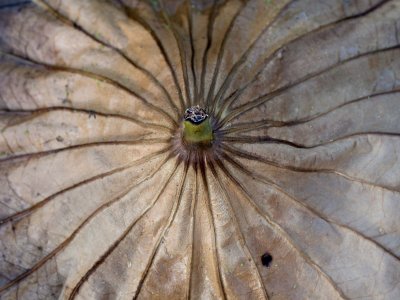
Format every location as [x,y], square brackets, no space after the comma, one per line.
[93,203]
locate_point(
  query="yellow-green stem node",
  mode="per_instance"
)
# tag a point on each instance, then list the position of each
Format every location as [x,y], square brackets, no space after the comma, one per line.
[197,128]
[198,133]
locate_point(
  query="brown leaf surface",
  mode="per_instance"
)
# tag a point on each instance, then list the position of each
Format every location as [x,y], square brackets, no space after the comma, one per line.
[99,201]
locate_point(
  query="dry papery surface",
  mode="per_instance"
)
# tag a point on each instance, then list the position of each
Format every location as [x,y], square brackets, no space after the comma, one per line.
[297,197]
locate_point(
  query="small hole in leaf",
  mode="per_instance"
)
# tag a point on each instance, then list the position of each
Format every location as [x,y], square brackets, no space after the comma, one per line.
[266,259]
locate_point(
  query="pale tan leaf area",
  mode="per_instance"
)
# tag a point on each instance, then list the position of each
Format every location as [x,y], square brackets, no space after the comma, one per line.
[296,197]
